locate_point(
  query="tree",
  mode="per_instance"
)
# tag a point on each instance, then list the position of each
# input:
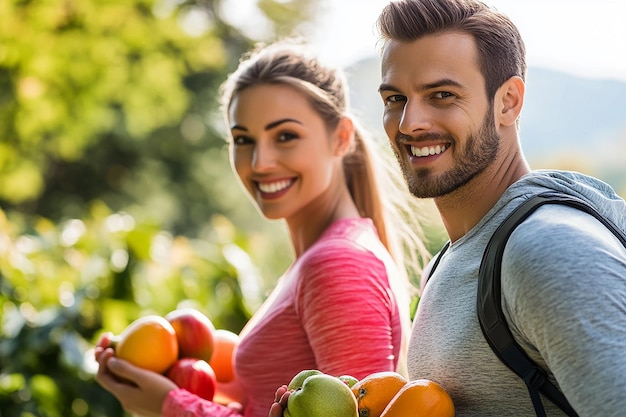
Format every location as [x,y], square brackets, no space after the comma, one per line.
[116,101]
[117,198]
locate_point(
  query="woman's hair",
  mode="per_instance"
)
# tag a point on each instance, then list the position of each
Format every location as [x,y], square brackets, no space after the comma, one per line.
[377,189]
[500,46]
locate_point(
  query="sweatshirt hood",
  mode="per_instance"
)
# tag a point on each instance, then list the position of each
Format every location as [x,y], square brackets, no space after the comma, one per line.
[597,193]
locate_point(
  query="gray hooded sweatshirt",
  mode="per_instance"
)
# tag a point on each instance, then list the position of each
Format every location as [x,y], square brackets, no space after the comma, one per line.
[563,295]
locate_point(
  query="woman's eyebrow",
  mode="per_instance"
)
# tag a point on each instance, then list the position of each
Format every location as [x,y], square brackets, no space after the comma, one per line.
[269,125]
[281,121]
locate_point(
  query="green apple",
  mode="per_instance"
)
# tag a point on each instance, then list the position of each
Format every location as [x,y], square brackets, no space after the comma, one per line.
[349,380]
[322,395]
[298,380]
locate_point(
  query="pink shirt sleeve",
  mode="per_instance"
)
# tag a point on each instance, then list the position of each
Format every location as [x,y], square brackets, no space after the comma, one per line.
[345,306]
[181,403]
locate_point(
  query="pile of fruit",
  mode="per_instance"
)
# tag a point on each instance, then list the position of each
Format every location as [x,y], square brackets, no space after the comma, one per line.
[381,394]
[186,347]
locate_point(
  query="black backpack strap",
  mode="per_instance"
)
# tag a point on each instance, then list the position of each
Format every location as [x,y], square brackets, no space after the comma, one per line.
[491,317]
[436,262]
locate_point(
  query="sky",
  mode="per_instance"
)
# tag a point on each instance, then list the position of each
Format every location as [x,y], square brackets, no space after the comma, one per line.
[582,37]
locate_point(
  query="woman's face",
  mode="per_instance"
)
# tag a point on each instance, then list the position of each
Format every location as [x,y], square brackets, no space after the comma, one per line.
[282,151]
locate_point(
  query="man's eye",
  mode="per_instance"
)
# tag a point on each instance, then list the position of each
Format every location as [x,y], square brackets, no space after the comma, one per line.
[443,94]
[394,98]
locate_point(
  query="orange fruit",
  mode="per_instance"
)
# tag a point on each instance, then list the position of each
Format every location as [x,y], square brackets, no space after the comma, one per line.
[222,360]
[374,392]
[149,342]
[420,398]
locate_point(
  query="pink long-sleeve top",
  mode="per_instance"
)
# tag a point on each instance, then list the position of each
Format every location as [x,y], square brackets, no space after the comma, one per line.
[333,310]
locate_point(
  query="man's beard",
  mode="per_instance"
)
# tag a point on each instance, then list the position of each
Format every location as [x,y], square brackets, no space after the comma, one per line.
[480,150]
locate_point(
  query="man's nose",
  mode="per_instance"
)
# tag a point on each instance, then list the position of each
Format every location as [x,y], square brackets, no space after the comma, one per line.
[415,118]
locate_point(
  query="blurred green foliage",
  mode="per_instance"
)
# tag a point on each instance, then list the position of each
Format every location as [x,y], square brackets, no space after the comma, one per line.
[63,284]
[117,198]
[117,101]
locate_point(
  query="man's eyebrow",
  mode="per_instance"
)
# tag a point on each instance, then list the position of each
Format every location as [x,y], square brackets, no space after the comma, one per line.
[386,87]
[444,82]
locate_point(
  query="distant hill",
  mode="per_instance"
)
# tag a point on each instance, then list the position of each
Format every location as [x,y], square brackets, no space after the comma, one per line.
[567,122]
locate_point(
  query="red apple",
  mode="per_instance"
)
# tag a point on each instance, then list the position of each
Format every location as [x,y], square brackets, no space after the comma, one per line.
[195,333]
[194,375]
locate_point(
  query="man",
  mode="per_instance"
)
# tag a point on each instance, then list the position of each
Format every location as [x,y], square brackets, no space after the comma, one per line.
[453,87]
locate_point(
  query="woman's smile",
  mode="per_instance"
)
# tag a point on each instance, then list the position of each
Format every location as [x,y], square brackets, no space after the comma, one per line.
[270,190]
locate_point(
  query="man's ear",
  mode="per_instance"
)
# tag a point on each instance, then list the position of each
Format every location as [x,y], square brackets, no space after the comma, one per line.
[508,101]
[344,136]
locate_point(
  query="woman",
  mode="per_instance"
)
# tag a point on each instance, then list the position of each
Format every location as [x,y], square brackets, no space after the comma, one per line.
[342,306]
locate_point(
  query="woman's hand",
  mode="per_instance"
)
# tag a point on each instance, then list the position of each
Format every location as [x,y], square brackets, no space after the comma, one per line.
[280,401]
[139,391]
[103,343]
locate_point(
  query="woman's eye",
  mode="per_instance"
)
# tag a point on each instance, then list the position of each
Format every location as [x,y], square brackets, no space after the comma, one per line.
[287,136]
[241,140]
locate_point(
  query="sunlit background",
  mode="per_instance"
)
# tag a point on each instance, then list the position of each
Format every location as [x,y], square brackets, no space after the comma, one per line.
[580,37]
[116,195]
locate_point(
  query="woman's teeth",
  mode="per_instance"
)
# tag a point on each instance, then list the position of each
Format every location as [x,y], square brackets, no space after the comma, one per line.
[273,187]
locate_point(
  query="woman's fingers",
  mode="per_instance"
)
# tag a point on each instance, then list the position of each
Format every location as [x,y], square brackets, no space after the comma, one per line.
[280,401]
[276,410]
[103,343]
[279,392]
[104,376]
[284,398]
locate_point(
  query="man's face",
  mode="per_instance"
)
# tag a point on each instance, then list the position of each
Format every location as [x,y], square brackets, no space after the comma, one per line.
[436,113]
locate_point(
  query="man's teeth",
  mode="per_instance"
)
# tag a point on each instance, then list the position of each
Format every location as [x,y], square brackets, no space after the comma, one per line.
[274,187]
[427,150]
